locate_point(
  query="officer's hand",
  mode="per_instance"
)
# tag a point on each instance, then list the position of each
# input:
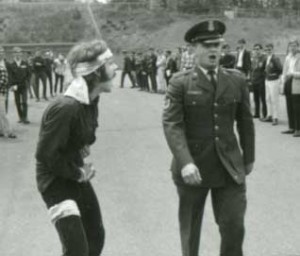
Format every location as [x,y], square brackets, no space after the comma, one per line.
[87,172]
[191,175]
[249,168]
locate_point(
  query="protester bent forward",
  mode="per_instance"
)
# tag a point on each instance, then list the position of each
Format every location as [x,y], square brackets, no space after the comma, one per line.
[67,130]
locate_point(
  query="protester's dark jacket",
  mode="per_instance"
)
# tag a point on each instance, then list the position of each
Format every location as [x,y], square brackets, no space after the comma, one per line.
[199,126]
[67,126]
[227,61]
[128,65]
[273,69]
[39,64]
[19,75]
[258,70]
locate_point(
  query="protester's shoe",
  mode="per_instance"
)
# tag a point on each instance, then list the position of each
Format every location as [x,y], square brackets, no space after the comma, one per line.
[275,121]
[297,134]
[26,122]
[288,131]
[45,98]
[20,121]
[267,119]
[12,136]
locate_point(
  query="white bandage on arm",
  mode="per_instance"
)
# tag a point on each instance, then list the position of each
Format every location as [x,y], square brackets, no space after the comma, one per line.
[63,209]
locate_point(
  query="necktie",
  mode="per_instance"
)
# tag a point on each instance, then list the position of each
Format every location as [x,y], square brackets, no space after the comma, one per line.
[213,81]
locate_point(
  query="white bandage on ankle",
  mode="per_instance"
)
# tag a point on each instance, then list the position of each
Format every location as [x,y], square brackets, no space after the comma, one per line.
[63,209]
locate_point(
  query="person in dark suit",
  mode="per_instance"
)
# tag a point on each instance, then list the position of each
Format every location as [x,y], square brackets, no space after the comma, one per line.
[202,106]
[227,60]
[258,81]
[39,69]
[152,69]
[243,60]
[49,62]
[171,67]
[19,78]
[127,70]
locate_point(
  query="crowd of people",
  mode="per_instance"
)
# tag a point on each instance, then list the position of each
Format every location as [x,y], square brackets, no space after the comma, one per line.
[266,75]
[23,76]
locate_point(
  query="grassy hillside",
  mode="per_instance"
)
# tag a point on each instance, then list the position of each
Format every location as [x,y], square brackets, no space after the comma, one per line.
[126,29]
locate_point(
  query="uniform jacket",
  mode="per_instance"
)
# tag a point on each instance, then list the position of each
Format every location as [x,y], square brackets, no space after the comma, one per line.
[19,75]
[199,125]
[273,68]
[246,62]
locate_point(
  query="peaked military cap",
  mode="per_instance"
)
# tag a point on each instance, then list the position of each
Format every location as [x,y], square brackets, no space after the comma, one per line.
[208,31]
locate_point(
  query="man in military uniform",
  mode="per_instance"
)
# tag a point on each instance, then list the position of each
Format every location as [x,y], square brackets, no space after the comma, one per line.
[201,107]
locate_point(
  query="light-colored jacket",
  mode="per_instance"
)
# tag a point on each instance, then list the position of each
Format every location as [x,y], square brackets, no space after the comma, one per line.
[296,76]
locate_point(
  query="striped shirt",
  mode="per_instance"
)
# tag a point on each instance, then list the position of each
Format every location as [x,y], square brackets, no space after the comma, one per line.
[187,61]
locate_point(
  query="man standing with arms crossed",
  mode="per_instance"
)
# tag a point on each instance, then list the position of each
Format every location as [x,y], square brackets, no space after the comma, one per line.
[202,106]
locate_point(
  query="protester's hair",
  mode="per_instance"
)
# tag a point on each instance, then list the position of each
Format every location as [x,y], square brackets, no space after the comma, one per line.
[258,45]
[86,52]
[169,52]
[270,45]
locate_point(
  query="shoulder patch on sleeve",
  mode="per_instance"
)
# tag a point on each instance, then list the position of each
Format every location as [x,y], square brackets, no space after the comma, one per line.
[234,72]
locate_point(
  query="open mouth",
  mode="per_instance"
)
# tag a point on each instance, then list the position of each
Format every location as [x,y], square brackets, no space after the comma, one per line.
[212,57]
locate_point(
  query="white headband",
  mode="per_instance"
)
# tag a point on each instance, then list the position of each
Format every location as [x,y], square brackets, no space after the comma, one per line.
[86,68]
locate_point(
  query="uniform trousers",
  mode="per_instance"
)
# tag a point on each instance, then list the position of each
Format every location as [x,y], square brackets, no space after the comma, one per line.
[21,102]
[5,127]
[289,102]
[229,206]
[80,236]
[272,97]
[296,107]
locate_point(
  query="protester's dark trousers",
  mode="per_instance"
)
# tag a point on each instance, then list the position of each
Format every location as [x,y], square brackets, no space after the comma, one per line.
[80,236]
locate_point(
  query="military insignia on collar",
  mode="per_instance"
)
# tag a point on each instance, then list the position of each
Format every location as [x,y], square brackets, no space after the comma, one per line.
[211,26]
[167,103]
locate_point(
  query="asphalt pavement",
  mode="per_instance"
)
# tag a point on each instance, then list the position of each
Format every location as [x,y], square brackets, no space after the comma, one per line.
[137,197]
